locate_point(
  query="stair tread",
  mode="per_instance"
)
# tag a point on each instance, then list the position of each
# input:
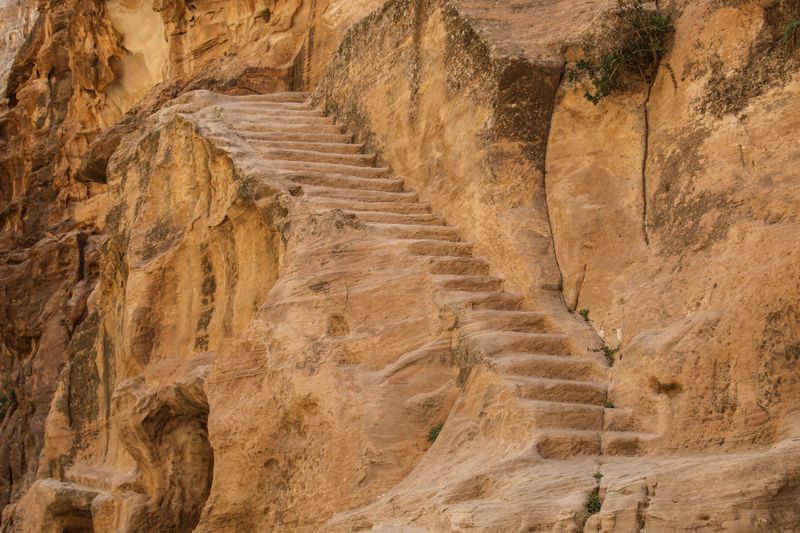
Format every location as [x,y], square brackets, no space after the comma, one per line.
[343,181]
[396,218]
[314,146]
[374,207]
[312,156]
[361,195]
[295,136]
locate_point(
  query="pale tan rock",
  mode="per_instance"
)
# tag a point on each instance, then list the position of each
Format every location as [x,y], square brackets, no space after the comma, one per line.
[280,322]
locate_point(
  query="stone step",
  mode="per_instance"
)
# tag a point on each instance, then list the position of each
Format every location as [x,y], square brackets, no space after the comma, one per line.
[270,110]
[282,97]
[578,416]
[372,207]
[397,218]
[331,168]
[565,443]
[247,128]
[439,248]
[359,195]
[480,300]
[559,390]
[310,156]
[326,147]
[237,106]
[458,266]
[295,136]
[620,419]
[627,443]
[510,320]
[548,366]
[468,283]
[255,119]
[491,342]
[340,181]
[416,232]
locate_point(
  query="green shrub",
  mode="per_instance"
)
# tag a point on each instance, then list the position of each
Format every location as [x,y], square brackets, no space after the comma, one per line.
[434,432]
[638,44]
[791,34]
[584,313]
[609,405]
[8,399]
[595,503]
[609,352]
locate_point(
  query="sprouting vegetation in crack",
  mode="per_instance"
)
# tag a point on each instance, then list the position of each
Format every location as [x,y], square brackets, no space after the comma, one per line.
[609,405]
[433,434]
[465,359]
[8,400]
[609,352]
[594,504]
[639,41]
[598,476]
[584,313]
[790,38]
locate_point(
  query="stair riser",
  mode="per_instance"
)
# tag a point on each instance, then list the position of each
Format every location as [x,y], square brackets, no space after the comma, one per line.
[287,136]
[393,218]
[287,128]
[440,248]
[550,369]
[477,285]
[487,302]
[271,112]
[532,343]
[361,196]
[376,207]
[318,157]
[415,232]
[459,267]
[564,447]
[254,120]
[531,324]
[560,418]
[349,183]
[565,393]
[328,148]
[359,172]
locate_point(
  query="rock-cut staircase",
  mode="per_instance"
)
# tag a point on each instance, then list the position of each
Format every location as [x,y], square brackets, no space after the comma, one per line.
[564,395]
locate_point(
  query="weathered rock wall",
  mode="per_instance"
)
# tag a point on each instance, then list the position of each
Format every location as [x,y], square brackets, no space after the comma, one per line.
[191,347]
[81,75]
[675,222]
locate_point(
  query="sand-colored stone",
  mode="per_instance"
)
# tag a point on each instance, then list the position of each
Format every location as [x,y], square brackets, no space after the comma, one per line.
[250,305]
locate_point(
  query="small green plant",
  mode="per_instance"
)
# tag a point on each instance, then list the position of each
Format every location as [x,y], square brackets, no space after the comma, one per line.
[609,405]
[8,399]
[609,352]
[433,434]
[791,34]
[595,503]
[598,476]
[636,49]
[584,313]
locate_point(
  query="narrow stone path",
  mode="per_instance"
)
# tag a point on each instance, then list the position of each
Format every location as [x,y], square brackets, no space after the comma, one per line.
[564,394]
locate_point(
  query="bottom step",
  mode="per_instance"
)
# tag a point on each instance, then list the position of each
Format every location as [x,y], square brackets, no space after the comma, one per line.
[566,443]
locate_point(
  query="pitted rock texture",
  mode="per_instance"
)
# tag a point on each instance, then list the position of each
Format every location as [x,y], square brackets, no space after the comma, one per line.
[254,308]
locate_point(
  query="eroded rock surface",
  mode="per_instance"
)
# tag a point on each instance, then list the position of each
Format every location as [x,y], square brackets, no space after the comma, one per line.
[232,306]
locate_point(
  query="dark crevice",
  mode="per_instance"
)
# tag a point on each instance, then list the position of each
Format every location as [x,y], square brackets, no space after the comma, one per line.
[547,197]
[645,154]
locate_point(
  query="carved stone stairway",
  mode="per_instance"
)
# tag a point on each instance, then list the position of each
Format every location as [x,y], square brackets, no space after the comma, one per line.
[564,395]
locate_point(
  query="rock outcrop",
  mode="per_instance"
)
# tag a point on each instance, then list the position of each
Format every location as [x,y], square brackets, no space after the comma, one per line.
[380,266]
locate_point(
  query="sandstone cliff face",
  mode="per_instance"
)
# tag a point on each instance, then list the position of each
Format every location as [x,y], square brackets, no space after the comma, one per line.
[223,312]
